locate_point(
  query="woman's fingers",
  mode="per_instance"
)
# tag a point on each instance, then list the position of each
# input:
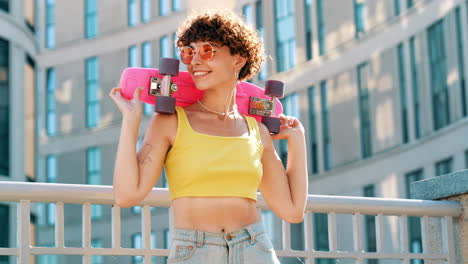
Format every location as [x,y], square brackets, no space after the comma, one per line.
[288,121]
[136,94]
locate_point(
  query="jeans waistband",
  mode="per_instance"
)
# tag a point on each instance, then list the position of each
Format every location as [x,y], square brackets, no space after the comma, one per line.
[227,238]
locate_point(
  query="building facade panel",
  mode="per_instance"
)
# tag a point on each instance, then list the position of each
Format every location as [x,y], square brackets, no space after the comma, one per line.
[384,101]
[339,22]
[344,118]
[112,16]
[69,21]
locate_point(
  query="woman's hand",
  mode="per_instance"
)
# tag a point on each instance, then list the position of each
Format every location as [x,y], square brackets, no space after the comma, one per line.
[290,127]
[129,108]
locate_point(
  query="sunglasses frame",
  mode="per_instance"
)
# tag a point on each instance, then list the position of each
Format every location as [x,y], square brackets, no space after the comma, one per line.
[194,51]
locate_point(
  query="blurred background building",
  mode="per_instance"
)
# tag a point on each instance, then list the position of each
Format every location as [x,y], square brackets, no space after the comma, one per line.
[380,86]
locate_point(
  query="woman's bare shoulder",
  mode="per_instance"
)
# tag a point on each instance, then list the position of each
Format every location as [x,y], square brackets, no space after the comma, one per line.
[264,134]
[162,126]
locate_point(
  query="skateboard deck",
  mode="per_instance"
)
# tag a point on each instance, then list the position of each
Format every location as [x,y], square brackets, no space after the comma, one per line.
[187,94]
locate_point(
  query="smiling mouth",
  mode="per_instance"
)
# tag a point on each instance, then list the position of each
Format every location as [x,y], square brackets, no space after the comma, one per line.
[200,73]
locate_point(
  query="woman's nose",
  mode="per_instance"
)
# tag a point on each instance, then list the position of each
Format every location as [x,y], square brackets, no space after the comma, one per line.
[196,58]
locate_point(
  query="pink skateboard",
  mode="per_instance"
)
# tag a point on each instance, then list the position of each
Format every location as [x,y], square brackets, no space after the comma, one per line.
[167,87]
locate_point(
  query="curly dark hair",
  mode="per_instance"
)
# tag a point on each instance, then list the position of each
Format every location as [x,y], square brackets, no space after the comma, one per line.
[228,29]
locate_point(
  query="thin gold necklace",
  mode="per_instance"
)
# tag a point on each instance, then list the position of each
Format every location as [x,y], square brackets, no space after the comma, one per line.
[216,112]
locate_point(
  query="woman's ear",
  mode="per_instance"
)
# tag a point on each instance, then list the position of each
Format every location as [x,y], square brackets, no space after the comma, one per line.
[239,63]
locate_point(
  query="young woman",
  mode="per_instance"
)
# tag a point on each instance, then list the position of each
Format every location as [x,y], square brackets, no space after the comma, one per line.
[215,158]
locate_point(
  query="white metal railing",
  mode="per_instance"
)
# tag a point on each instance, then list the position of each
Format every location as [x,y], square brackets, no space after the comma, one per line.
[25,193]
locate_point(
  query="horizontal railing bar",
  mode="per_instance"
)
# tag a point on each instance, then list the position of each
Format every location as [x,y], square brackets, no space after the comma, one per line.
[98,251]
[384,206]
[165,252]
[9,251]
[72,193]
[159,197]
[358,255]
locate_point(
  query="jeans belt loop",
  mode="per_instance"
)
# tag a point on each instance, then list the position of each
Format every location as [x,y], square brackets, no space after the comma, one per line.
[199,239]
[252,234]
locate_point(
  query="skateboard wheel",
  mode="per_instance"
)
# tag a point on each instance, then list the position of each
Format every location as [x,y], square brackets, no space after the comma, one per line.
[274,88]
[165,105]
[169,66]
[272,123]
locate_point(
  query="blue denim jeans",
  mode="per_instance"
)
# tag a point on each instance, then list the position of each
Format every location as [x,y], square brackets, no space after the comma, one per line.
[250,245]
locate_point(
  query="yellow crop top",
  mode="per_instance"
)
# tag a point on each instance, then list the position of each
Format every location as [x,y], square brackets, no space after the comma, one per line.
[206,165]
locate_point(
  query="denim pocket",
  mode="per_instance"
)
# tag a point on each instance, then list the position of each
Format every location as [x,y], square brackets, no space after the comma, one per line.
[263,242]
[181,250]
[260,252]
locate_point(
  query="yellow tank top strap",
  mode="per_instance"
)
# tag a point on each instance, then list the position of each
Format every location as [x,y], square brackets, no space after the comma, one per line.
[253,127]
[182,119]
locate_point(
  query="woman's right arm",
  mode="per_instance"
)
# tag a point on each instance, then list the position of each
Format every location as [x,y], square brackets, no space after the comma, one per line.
[136,174]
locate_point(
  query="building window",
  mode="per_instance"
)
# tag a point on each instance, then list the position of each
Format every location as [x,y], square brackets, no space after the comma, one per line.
[167,238]
[290,107]
[97,243]
[247,13]
[29,14]
[163,8]
[325,126]
[444,166]
[176,5]
[91,19]
[359,17]
[268,219]
[51,168]
[369,220]
[147,55]
[415,86]
[131,13]
[50,24]
[403,102]
[133,56]
[164,178]
[259,24]
[461,61]
[93,158]
[321,27]
[397,7]
[414,223]
[285,35]
[4,230]
[313,129]
[145,11]
[51,115]
[308,29]
[4,108]
[92,92]
[165,47]
[175,50]
[147,62]
[364,111]
[47,259]
[466,159]
[321,236]
[137,242]
[51,172]
[438,72]
[5,5]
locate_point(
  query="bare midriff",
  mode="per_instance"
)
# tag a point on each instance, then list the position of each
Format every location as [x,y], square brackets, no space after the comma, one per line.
[214,214]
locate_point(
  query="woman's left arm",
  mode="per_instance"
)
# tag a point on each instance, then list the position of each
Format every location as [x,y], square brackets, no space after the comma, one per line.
[285,190]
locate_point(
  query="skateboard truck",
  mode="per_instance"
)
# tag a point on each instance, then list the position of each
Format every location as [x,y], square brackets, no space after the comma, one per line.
[266,107]
[163,88]
[155,87]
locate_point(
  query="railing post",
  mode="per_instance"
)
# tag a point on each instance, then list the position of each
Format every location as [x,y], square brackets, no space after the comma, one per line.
[449,187]
[23,231]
